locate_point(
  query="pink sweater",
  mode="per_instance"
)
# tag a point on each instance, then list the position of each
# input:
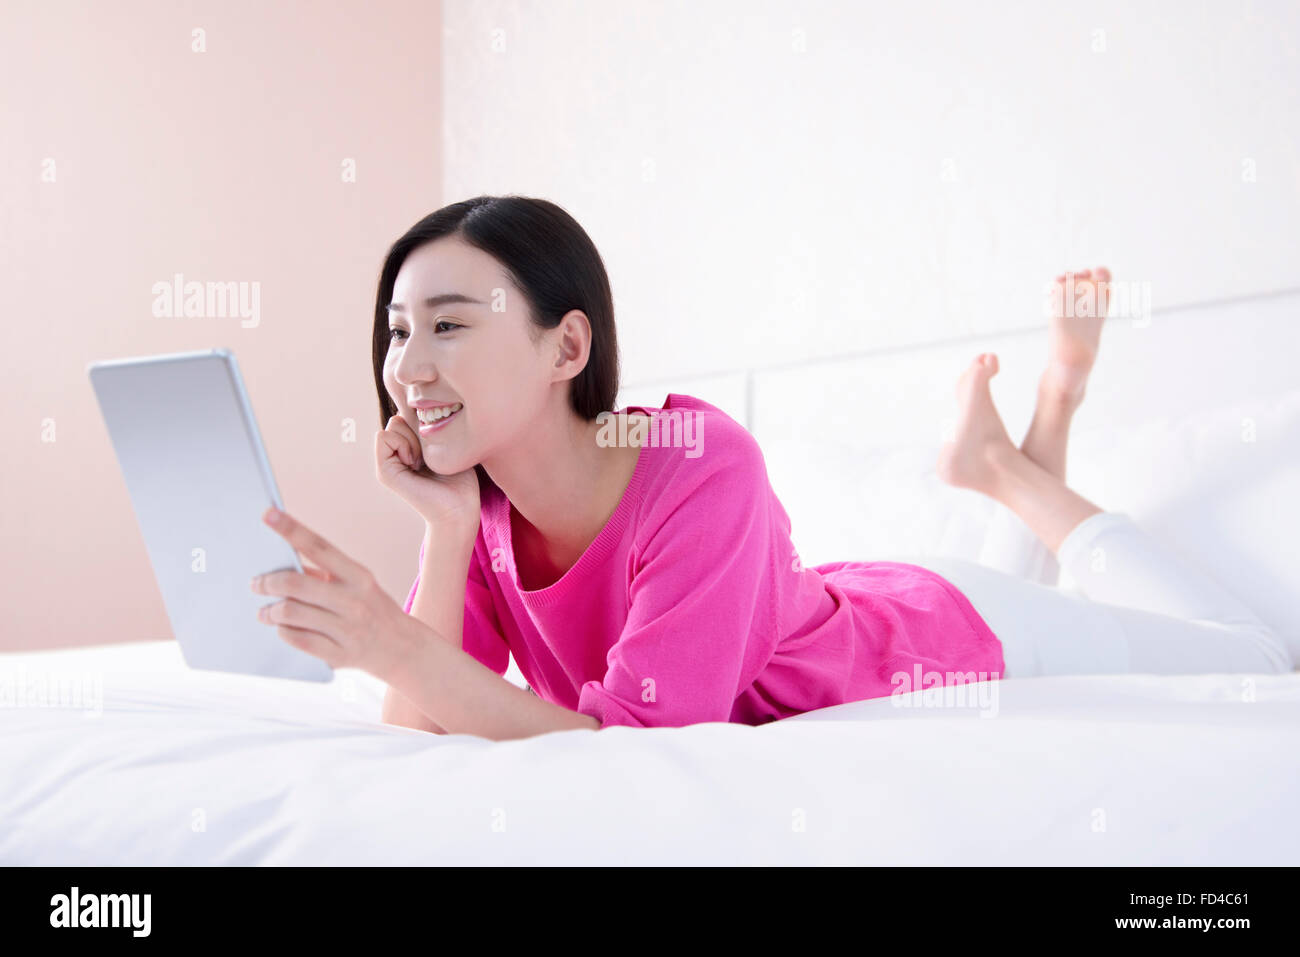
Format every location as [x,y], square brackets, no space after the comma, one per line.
[692,605]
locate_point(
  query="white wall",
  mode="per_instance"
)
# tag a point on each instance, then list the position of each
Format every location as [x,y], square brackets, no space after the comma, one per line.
[772,182]
[815,214]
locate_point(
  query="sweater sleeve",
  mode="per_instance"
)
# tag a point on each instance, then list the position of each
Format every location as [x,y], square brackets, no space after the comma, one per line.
[700,596]
[481,635]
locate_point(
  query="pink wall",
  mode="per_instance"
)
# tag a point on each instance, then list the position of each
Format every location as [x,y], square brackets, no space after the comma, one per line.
[225,165]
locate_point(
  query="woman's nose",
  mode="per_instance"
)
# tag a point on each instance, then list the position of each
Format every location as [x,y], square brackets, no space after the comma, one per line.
[412,369]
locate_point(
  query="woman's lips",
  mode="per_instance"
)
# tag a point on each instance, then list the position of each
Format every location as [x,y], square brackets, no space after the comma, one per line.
[441,423]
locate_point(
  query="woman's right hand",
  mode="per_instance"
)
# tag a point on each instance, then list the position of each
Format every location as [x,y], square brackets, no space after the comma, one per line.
[448,502]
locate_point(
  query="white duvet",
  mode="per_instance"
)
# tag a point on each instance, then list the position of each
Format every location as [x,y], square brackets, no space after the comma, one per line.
[165,765]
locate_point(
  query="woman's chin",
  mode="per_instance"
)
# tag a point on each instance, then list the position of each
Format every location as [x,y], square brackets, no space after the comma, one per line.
[443,464]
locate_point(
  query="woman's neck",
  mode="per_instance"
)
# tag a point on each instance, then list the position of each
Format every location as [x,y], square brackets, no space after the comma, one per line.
[564,495]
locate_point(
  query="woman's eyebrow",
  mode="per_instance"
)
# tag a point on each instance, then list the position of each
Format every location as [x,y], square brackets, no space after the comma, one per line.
[433,302]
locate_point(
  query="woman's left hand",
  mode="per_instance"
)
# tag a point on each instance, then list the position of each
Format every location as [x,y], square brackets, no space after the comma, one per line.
[337,611]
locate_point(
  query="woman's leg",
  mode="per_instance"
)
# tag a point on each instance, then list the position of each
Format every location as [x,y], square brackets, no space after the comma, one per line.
[1144,610]
[1078,305]
[982,457]
[1011,548]
[1047,631]
[1115,563]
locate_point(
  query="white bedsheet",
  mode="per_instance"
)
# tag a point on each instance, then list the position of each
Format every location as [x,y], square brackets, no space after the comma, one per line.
[185,767]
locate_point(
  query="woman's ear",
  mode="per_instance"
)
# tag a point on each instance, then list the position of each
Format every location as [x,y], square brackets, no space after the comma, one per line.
[574,340]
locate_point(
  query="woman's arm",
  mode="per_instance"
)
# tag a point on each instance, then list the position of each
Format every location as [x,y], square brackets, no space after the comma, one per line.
[441,688]
[440,604]
[464,696]
[397,710]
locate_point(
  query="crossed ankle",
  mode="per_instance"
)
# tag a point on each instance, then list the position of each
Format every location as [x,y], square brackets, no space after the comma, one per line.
[1002,460]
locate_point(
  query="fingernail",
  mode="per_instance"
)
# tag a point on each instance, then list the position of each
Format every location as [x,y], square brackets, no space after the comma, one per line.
[273,515]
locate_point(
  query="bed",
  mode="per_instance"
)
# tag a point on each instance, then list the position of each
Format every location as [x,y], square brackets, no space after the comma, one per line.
[122,755]
[173,766]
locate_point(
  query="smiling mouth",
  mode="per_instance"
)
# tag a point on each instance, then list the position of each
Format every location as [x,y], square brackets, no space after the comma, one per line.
[431,416]
[430,420]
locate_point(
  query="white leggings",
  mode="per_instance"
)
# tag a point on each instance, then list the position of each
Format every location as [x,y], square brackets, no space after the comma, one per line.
[1137,607]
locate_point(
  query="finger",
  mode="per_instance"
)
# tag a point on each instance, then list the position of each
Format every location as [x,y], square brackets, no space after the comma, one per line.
[308,543]
[409,449]
[315,572]
[389,439]
[403,428]
[399,424]
[299,614]
[413,443]
[287,583]
[313,643]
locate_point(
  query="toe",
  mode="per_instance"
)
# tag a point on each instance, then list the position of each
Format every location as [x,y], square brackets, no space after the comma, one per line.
[974,369]
[979,370]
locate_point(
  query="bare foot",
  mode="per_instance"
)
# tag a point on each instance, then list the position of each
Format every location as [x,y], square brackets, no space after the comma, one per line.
[980,442]
[1080,302]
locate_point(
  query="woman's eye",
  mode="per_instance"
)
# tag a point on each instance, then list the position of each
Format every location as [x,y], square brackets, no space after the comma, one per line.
[395,332]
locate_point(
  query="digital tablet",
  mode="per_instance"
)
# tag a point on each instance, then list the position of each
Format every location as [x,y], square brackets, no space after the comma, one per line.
[199,480]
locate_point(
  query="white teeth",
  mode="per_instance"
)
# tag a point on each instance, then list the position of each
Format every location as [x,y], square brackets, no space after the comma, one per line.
[428,416]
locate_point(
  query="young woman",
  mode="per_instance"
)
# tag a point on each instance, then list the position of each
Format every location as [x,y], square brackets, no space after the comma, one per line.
[644,575]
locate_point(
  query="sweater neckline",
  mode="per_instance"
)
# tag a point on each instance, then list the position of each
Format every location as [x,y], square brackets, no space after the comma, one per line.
[601,546]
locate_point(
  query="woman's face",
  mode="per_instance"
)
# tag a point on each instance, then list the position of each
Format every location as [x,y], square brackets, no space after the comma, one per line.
[478,353]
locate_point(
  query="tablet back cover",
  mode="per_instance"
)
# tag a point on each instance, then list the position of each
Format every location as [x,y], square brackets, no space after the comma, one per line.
[199,481]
